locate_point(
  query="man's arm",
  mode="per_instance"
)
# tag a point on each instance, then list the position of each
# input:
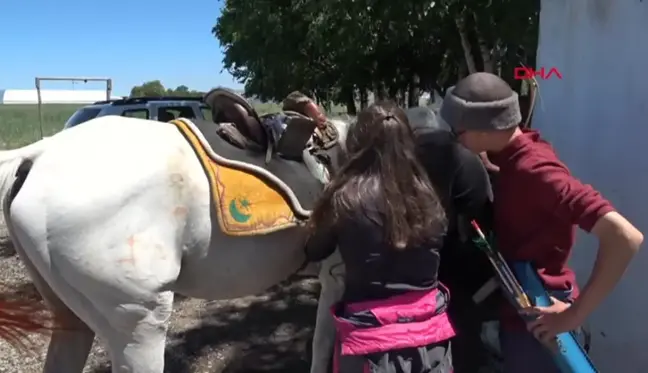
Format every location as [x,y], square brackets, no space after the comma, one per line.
[619,241]
[580,204]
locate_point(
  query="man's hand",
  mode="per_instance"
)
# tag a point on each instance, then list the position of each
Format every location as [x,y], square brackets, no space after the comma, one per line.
[553,320]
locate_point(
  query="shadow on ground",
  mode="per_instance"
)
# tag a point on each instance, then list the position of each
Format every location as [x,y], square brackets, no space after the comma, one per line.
[266,334]
[6,247]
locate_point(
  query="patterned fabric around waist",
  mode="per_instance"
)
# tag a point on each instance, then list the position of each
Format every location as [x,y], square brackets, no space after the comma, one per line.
[416,318]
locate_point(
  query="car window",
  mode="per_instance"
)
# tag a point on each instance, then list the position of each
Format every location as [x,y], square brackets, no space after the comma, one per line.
[136,113]
[177,111]
[207,113]
[82,115]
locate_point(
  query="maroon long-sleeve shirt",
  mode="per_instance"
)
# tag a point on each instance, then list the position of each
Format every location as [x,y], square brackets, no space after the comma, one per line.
[538,205]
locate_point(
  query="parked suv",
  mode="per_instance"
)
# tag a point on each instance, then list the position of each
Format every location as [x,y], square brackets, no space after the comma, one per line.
[162,109]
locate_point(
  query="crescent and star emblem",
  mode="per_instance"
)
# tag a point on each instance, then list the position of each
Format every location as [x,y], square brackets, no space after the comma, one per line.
[236,212]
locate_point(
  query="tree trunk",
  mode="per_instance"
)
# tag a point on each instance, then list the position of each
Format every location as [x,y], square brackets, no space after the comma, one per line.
[487,56]
[463,70]
[380,93]
[489,66]
[400,96]
[392,92]
[465,44]
[414,93]
[349,101]
[364,98]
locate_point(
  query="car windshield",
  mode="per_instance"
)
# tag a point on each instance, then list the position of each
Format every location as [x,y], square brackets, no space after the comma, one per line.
[81,115]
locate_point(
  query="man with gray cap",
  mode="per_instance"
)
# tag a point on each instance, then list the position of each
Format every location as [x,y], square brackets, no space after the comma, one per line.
[537,204]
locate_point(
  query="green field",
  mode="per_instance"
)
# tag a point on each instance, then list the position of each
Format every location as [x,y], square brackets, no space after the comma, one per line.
[19,124]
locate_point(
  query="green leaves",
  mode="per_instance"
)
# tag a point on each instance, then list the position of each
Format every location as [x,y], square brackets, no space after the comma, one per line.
[155,88]
[335,48]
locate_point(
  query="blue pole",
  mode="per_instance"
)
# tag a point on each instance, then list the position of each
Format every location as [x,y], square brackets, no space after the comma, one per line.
[571,358]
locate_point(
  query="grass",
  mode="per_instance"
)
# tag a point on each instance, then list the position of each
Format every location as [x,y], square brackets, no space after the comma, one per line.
[19,124]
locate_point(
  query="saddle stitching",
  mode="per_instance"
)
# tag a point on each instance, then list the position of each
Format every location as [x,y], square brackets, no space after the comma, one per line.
[300,212]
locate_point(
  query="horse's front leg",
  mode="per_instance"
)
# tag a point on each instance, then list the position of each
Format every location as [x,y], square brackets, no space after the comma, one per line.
[332,281]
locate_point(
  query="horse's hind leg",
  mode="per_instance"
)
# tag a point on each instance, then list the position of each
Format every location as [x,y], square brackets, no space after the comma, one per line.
[138,340]
[69,347]
[131,319]
[71,342]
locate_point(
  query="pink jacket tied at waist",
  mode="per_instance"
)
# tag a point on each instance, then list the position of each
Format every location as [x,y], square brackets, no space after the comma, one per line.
[426,323]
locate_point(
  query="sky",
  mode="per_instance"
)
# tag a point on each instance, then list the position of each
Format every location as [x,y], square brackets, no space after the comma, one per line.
[129,41]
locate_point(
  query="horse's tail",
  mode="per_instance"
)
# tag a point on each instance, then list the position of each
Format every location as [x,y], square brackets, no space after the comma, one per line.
[10,160]
[21,316]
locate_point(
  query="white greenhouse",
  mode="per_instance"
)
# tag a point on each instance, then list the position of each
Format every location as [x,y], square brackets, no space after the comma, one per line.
[52,96]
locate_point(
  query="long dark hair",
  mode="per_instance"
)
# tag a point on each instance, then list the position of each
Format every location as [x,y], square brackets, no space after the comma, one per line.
[381,165]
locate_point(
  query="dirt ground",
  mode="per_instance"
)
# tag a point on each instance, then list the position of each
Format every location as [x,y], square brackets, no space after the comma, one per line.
[264,333]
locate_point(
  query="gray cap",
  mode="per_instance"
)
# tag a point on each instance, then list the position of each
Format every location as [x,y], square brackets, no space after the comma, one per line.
[481,102]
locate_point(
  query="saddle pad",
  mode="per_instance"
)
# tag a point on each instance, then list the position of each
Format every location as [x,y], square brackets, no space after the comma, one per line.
[246,203]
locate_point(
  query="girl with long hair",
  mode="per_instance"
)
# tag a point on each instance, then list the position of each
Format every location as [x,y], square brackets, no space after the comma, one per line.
[388,222]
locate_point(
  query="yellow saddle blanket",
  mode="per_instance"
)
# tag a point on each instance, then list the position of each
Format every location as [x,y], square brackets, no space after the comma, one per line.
[245,204]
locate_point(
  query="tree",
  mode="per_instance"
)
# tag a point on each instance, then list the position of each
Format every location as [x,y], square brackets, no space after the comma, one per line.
[155,88]
[503,33]
[343,50]
[267,49]
[152,88]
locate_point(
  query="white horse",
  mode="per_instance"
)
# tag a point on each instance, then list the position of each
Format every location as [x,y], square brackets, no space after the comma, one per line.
[110,229]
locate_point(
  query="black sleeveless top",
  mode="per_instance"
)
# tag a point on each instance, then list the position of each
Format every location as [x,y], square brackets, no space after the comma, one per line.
[377,270]
[374,269]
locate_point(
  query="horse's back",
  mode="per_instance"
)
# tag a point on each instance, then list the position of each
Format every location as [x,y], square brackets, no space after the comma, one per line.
[110,158]
[117,131]
[112,143]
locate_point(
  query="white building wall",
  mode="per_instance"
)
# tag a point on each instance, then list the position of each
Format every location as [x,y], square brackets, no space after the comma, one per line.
[596,117]
[30,96]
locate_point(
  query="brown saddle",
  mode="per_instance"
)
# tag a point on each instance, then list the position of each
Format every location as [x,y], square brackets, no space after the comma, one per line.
[230,107]
[240,124]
